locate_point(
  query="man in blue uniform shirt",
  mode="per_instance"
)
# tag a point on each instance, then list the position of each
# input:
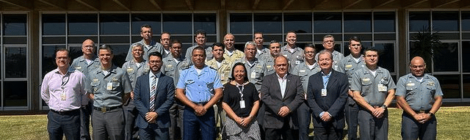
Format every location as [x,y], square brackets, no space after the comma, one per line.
[199,88]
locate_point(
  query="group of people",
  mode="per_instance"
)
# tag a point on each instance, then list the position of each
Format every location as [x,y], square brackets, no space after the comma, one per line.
[259,93]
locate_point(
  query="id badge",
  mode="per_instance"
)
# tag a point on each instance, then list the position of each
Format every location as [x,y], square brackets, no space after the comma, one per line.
[253,74]
[242,104]
[323,92]
[382,88]
[297,62]
[62,96]
[109,86]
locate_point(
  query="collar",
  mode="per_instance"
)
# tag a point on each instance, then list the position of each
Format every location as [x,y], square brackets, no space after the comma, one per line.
[367,70]
[193,69]
[111,70]
[425,76]
[150,45]
[69,70]
[159,73]
[93,58]
[283,78]
[327,75]
[351,58]
[286,46]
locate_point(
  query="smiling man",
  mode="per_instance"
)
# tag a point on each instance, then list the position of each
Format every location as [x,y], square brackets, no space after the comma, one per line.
[294,54]
[149,45]
[420,96]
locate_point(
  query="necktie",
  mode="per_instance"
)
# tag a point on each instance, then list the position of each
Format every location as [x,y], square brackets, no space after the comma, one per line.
[153,91]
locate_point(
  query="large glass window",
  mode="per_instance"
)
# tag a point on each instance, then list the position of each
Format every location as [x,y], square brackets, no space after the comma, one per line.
[357,22]
[327,22]
[445,21]
[419,21]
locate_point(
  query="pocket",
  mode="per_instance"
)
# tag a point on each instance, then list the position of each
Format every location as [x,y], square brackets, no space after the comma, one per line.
[115,84]
[95,85]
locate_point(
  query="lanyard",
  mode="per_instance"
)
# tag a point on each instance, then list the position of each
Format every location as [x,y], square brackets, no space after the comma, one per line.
[240,89]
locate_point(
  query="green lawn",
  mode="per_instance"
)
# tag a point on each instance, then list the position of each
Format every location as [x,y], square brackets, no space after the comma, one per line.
[453,124]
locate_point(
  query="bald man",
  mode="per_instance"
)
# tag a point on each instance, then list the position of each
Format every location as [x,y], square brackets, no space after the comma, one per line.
[420,96]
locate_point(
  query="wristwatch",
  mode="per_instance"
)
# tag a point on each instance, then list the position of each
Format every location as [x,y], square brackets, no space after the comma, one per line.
[384,106]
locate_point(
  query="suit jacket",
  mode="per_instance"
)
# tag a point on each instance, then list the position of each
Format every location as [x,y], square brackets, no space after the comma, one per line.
[272,99]
[163,100]
[333,102]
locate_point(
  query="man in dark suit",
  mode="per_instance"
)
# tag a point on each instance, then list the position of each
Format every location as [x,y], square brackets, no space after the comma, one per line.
[282,94]
[153,96]
[327,94]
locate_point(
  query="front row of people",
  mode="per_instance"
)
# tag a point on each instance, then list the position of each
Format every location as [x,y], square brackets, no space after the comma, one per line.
[199,87]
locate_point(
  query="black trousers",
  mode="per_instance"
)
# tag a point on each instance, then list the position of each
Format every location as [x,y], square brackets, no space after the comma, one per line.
[285,132]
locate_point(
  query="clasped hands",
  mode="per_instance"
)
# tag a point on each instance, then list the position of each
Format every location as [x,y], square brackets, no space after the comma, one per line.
[378,112]
[151,117]
[284,111]
[199,110]
[244,121]
[422,117]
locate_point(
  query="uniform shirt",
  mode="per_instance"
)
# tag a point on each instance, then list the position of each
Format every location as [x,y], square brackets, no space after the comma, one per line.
[166,52]
[199,88]
[108,89]
[337,57]
[348,65]
[236,55]
[256,71]
[82,65]
[64,92]
[172,68]
[189,52]
[262,52]
[269,61]
[232,97]
[419,95]
[134,71]
[305,72]
[295,57]
[368,85]
[148,48]
[224,70]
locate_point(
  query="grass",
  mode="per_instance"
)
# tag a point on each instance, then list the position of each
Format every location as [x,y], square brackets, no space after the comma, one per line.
[453,124]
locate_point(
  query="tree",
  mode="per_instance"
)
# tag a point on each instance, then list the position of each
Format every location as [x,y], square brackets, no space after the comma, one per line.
[424,44]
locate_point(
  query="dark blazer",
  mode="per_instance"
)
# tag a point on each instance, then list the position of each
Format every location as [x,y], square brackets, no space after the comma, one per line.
[163,100]
[333,102]
[272,99]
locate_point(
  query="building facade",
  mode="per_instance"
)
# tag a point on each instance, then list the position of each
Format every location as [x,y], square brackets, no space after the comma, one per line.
[33,29]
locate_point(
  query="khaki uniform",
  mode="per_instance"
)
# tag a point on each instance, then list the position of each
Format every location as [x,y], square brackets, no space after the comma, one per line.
[223,71]
[236,55]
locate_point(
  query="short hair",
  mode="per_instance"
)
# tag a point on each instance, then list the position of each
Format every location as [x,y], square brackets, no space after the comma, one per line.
[325,52]
[232,76]
[202,32]
[355,38]
[275,58]
[106,47]
[199,48]
[229,34]
[138,45]
[165,33]
[62,50]
[218,44]
[371,49]
[257,33]
[176,41]
[329,36]
[157,54]
[311,46]
[290,31]
[274,41]
[249,43]
[146,26]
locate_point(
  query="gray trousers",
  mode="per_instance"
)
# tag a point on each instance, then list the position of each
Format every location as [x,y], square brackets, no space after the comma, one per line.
[176,119]
[412,129]
[108,124]
[372,128]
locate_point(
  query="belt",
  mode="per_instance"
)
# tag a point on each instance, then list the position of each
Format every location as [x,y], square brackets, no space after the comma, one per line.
[422,111]
[66,112]
[106,109]
[200,103]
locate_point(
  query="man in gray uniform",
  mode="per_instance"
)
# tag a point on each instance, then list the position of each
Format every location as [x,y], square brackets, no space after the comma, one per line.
[86,63]
[200,38]
[291,51]
[109,87]
[134,68]
[306,69]
[268,58]
[329,45]
[165,41]
[260,49]
[348,65]
[255,68]
[149,45]
[373,90]
[420,96]
[172,64]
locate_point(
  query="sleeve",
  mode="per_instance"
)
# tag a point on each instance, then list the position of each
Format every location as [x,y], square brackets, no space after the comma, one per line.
[299,96]
[356,84]
[45,89]
[255,93]
[83,92]
[138,98]
[189,51]
[438,88]
[341,66]
[391,85]
[181,84]
[88,87]
[401,89]
[225,96]
[217,83]
[129,53]
[267,98]
[295,71]
[312,103]
[126,83]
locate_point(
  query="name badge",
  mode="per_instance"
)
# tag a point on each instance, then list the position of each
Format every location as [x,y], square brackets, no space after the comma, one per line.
[129,70]
[348,66]
[410,84]
[268,66]
[109,86]
[78,67]
[168,66]
[222,76]
[285,55]
[63,97]
[253,74]
[302,71]
[382,88]
[297,62]
[431,84]
[366,80]
[242,104]
[323,92]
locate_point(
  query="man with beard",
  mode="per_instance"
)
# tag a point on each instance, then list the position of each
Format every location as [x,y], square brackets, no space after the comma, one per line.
[420,96]
[373,90]
[149,45]
[327,99]
[294,54]
[306,69]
